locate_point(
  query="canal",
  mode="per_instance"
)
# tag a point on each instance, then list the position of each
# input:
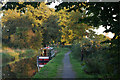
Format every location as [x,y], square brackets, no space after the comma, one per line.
[25,68]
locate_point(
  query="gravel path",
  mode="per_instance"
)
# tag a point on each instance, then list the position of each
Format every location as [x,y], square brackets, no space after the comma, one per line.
[67,68]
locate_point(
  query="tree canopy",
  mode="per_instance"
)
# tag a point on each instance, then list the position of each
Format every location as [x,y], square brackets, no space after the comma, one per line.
[30,28]
[104,13]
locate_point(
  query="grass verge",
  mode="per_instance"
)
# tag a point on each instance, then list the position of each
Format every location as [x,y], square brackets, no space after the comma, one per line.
[78,68]
[51,68]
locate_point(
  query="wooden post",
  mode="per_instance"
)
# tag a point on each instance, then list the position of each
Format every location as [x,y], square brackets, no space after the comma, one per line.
[82,55]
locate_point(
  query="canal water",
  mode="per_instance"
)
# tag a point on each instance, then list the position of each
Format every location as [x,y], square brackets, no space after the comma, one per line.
[25,68]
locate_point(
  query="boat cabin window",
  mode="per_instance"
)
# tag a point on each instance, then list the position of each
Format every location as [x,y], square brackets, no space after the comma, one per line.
[45,53]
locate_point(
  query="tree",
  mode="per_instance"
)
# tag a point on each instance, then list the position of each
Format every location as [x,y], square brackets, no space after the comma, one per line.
[21,29]
[71,28]
[51,30]
[19,5]
[63,20]
[104,13]
[79,29]
[32,28]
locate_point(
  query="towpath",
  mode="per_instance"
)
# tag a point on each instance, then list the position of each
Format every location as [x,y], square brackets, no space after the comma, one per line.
[67,68]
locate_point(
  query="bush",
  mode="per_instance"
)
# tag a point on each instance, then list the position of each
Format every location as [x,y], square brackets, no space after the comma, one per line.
[96,63]
[76,51]
[99,59]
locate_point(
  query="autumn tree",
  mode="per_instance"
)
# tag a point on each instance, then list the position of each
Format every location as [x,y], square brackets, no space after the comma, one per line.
[19,5]
[21,28]
[104,13]
[32,28]
[51,29]
[71,28]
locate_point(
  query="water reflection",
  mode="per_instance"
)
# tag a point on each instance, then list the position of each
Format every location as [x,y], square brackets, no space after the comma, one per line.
[25,68]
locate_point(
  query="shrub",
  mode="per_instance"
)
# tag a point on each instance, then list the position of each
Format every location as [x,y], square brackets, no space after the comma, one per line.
[96,63]
[76,51]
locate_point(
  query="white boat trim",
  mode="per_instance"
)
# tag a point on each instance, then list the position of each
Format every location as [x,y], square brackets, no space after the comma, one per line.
[41,65]
[43,57]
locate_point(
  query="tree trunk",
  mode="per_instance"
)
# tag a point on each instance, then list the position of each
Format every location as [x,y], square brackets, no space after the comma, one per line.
[82,55]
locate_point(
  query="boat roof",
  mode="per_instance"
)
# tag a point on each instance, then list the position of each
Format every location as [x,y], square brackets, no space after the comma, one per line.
[47,48]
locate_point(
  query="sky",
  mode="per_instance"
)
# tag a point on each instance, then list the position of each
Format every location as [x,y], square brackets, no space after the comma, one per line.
[53,4]
[101,29]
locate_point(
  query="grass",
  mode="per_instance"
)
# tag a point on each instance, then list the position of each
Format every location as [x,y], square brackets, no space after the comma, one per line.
[78,68]
[50,70]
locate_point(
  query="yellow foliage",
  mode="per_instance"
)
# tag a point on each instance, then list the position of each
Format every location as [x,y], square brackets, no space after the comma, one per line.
[84,4]
[116,37]
[53,41]
[21,2]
